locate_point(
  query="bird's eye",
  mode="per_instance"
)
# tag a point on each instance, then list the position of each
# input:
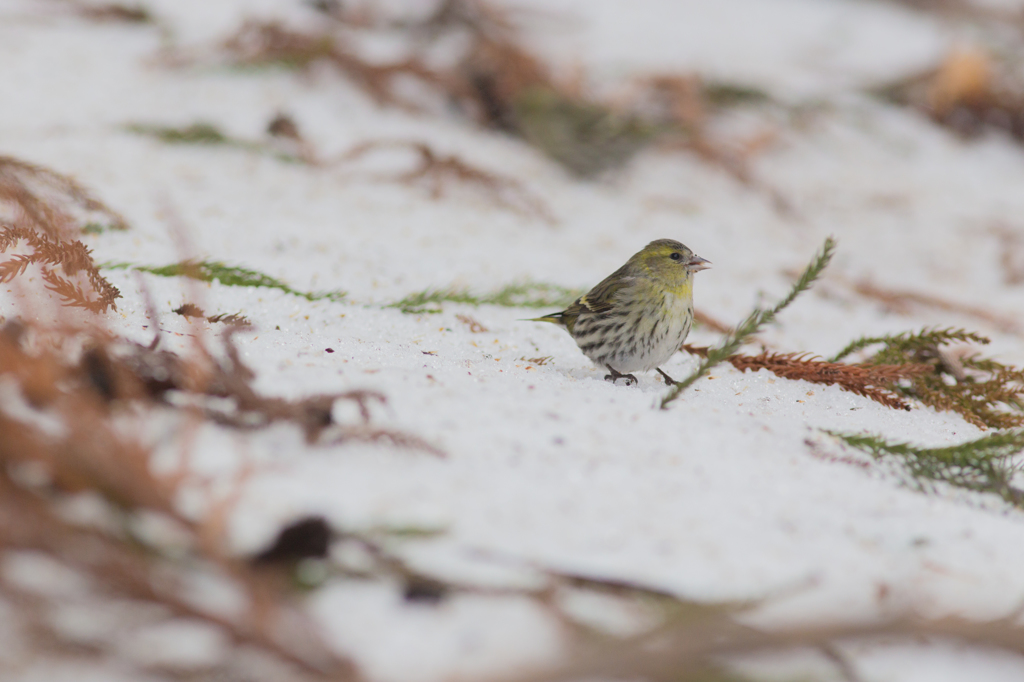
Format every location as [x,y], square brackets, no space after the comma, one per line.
[676,256]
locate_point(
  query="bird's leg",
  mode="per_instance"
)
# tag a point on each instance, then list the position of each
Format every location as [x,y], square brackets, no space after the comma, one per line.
[615,376]
[668,380]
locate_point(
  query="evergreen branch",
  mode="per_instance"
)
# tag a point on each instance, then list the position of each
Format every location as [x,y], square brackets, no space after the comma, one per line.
[910,341]
[856,345]
[722,351]
[809,276]
[753,323]
[982,464]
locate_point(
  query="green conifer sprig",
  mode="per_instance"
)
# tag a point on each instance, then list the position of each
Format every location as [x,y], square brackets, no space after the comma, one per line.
[753,323]
[908,341]
[986,393]
[984,464]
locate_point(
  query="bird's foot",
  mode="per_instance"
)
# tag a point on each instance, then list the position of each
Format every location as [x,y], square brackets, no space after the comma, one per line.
[668,380]
[615,376]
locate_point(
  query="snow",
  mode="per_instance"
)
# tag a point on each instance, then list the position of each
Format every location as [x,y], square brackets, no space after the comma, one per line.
[800,48]
[733,493]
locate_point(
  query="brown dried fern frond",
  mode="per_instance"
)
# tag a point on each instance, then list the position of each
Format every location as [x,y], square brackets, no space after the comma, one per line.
[14,267]
[70,293]
[984,392]
[191,310]
[230,318]
[49,202]
[70,255]
[870,381]
[11,234]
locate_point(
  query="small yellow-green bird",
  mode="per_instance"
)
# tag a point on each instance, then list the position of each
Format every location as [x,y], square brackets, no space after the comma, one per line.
[639,316]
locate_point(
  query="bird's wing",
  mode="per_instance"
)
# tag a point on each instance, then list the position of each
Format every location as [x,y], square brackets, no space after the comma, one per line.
[598,301]
[586,304]
[604,297]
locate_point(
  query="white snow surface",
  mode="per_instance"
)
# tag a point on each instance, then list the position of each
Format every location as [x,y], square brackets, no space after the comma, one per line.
[734,492]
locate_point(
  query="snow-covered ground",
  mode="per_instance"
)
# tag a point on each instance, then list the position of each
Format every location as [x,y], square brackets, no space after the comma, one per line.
[732,493]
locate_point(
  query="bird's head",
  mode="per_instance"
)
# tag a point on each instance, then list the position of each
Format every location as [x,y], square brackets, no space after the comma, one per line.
[669,263]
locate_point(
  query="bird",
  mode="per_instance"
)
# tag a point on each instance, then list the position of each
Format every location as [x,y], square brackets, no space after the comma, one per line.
[639,315]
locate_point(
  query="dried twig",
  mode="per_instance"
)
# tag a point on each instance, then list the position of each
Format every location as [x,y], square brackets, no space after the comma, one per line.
[266,43]
[903,302]
[436,171]
[474,325]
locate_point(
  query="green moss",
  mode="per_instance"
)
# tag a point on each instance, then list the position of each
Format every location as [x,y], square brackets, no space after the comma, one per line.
[521,295]
[232,276]
[406,531]
[195,133]
[207,134]
[731,94]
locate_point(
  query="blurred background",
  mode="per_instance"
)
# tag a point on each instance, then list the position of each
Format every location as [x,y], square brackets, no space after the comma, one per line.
[243,235]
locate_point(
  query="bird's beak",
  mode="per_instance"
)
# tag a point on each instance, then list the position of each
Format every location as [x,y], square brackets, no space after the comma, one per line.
[697,264]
